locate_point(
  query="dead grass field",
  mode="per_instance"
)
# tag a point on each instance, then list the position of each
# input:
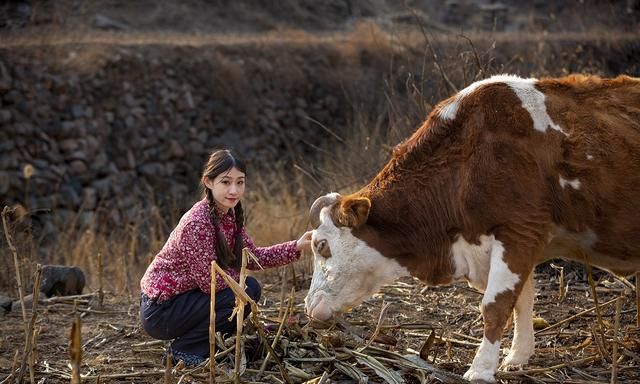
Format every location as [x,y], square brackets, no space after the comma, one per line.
[442,324]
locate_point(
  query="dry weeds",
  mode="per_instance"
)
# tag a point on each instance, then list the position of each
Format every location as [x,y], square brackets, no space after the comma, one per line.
[442,324]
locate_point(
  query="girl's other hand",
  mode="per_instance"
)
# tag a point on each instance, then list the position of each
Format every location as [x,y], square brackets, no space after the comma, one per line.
[304,242]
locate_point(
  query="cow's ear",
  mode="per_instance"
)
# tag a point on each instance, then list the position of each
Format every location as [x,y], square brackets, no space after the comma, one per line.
[354,211]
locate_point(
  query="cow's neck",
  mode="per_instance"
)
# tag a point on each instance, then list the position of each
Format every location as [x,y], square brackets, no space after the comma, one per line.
[410,221]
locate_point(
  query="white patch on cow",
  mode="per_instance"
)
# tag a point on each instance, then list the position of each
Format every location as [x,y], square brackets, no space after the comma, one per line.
[589,157]
[531,98]
[575,183]
[449,111]
[533,101]
[354,272]
[522,346]
[485,363]
[471,261]
[501,279]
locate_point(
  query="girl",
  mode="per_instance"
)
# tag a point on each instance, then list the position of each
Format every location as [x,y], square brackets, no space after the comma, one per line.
[175,289]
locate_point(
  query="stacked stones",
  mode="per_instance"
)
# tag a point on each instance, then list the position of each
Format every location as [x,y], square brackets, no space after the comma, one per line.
[94,139]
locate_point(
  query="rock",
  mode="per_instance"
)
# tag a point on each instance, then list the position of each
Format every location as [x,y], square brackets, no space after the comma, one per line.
[89,198]
[28,303]
[4,182]
[152,169]
[77,111]
[175,150]
[69,196]
[61,280]
[68,145]
[5,115]
[78,167]
[104,22]
[5,303]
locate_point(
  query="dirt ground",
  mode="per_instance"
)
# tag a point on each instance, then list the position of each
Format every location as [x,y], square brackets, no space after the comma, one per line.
[116,349]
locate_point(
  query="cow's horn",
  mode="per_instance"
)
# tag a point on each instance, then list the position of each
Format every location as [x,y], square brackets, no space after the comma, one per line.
[316,207]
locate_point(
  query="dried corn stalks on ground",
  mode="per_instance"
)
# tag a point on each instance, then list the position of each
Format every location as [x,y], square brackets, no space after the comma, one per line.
[422,335]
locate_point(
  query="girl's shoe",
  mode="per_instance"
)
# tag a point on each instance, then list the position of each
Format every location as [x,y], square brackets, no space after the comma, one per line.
[188,359]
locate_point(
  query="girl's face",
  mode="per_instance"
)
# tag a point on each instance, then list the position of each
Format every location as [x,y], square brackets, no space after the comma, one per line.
[227,188]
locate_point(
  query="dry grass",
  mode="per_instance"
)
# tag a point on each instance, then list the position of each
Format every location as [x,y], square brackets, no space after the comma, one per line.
[115,349]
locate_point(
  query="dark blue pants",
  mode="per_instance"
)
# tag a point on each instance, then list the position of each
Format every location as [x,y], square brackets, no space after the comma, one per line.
[185,318]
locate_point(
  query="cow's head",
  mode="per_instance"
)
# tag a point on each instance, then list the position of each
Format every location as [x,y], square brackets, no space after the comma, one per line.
[347,268]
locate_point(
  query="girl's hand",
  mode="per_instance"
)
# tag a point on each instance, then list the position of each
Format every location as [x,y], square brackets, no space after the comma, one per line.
[304,242]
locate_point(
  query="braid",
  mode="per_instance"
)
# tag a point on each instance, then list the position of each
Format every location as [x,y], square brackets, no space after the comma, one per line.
[226,258]
[239,243]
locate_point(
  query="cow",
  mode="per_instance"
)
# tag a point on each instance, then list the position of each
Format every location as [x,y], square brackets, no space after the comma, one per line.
[506,174]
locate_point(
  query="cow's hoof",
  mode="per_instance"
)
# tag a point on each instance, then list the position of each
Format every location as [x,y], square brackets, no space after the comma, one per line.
[515,360]
[480,377]
[511,367]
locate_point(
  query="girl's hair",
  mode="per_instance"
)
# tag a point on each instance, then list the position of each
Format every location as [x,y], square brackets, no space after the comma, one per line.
[221,161]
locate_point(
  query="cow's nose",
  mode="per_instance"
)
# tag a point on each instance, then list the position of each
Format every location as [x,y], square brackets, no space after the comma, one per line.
[310,301]
[322,311]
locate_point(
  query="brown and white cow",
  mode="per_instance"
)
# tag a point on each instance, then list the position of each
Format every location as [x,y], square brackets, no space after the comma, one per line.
[506,174]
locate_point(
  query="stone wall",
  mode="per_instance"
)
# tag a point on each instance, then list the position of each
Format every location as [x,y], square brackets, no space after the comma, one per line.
[110,131]
[106,132]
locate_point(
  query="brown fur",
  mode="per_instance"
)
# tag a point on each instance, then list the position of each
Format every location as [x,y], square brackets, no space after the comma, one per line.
[490,172]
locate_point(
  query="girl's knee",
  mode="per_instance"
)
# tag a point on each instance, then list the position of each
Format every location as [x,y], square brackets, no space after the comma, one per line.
[254,290]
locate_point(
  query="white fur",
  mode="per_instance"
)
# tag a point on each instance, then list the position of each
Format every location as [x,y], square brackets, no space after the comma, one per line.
[501,279]
[575,183]
[533,101]
[522,345]
[450,110]
[485,363]
[471,261]
[531,98]
[354,272]
[589,157]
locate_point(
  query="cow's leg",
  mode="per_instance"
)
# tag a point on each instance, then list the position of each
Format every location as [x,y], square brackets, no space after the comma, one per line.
[504,284]
[522,345]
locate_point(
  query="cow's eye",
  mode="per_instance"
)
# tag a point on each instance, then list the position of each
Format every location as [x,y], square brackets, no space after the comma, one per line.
[322,248]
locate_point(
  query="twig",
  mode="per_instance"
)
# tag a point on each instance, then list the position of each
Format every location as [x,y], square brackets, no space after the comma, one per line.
[283,292]
[475,55]
[600,340]
[14,366]
[34,315]
[212,326]
[614,352]
[562,291]
[285,315]
[335,135]
[68,299]
[240,316]
[16,263]
[435,56]
[599,343]
[507,374]
[638,299]
[100,291]
[568,319]
[75,349]
[245,299]
[383,311]
[168,377]
[148,343]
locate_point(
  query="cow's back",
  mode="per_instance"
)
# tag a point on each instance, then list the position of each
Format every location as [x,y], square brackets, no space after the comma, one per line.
[596,193]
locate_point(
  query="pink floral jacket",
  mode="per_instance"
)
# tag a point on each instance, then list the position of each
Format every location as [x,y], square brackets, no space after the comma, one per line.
[184,263]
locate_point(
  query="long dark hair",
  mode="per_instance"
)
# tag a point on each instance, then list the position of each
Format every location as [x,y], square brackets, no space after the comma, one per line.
[221,161]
